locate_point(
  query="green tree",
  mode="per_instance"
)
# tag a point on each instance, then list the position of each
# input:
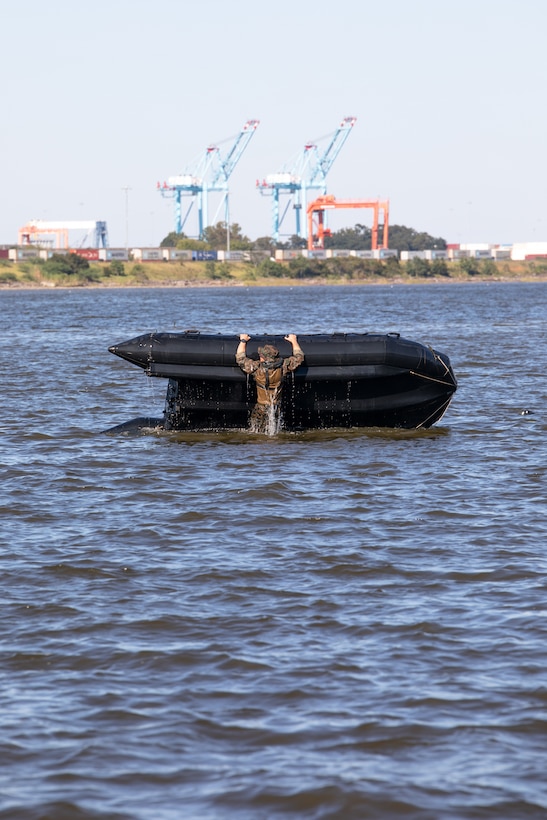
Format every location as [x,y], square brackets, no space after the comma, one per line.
[402,238]
[469,266]
[358,238]
[192,245]
[116,268]
[67,264]
[217,270]
[302,268]
[418,267]
[172,240]
[297,242]
[216,237]
[439,268]
[264,243]
[271,269]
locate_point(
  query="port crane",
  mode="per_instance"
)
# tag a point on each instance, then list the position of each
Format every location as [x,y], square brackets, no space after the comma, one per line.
[211,173]
[308,173]
[39,231]
[316,219]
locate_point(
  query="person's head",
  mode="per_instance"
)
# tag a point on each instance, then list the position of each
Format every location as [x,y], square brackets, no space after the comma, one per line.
[268,353]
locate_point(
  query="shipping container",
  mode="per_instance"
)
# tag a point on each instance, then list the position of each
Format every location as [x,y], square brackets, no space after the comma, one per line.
[458,253]
[363,254]
[501,253]
[258,256]
[22,254]
[111,254]
[436,254]
[482,254]
[407,255]
[91,254]
[523,250]
[204,256]
[475,246]
[147,254]
[317,254]
[47,253]
[333,254]
[286,254]
[233,256]
[385,253]
[4,253]
[176,255]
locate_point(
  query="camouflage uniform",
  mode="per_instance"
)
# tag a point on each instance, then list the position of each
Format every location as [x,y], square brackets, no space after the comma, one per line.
[269,376]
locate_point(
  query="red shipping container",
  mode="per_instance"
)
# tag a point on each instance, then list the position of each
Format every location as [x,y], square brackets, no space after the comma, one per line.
[91,254]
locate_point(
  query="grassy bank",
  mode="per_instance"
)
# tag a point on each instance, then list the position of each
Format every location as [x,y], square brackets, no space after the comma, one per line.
[37,274]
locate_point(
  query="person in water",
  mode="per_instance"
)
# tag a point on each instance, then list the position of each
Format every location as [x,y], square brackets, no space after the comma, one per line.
[269,373]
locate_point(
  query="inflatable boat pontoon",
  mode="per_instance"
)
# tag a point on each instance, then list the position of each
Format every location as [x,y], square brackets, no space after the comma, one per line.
[347,380]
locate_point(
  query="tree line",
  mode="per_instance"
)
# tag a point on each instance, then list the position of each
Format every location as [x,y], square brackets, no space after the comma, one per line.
[220,237]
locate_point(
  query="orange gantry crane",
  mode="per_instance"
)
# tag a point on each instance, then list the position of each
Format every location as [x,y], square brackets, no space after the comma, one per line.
[316,218]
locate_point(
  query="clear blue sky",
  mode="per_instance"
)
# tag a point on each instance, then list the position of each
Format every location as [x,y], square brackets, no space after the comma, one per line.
[449,98]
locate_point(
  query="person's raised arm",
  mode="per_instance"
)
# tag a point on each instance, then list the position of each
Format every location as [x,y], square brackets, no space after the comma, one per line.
[242,346]
[291,337]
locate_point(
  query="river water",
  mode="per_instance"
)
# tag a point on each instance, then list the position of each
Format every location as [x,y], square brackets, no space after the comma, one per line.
[337,624]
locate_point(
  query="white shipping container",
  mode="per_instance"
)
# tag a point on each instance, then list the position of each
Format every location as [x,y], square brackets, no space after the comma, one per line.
[233,256]
[176,254]
[20,254]
[407,255]
[363,254]
[521,250]
[476,246]
[332,254]
[109,254]
[385,253]
[152,256]
[285,255]
[436,254]
[46,253]
[147,254]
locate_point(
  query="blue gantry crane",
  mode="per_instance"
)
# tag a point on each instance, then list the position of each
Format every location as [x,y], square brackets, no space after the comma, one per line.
[210,173]
[308,173]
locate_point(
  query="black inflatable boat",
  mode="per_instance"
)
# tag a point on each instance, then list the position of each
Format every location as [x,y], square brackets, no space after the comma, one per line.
[347,380]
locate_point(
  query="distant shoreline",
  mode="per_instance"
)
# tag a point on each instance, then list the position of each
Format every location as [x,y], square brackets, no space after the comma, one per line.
[276,283]
[30,276]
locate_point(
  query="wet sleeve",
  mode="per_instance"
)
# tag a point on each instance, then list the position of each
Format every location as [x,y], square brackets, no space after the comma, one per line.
[246,364]
[293,362]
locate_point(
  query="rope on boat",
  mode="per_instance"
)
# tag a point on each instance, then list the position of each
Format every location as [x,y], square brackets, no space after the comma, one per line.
[438,358]
[443,411]
[430,378]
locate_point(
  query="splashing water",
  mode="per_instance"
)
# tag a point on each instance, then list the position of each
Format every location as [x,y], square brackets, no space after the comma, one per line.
[269,422]
[274,422]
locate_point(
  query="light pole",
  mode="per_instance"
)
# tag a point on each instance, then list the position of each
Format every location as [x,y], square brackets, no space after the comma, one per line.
[126,189]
